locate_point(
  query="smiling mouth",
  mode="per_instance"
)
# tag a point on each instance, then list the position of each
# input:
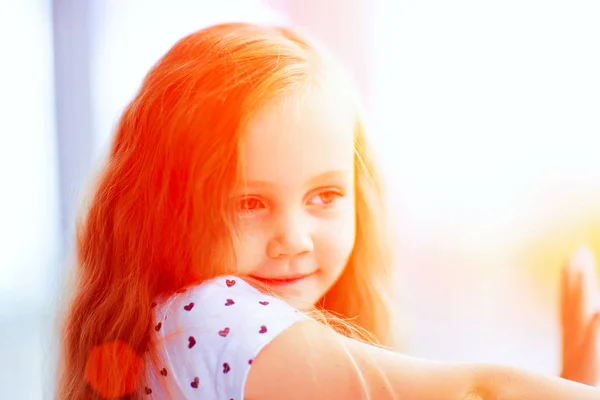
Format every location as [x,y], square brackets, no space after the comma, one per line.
[282,281]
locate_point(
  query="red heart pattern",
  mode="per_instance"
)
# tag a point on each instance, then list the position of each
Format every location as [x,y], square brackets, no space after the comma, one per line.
[226,368]
[224,332]
[195,382]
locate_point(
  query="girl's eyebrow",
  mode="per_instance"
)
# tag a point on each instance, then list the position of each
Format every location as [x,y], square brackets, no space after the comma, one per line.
[332,174]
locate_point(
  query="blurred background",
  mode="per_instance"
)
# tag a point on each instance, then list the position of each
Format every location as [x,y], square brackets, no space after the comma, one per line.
[485,114]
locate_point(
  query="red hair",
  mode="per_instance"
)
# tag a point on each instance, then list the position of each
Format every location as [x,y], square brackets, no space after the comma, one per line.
[159,217]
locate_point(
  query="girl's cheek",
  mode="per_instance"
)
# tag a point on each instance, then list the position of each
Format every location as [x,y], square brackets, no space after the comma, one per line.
[249,249]
[338,235]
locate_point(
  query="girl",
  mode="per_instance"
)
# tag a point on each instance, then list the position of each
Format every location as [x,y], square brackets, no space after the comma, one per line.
[235,245]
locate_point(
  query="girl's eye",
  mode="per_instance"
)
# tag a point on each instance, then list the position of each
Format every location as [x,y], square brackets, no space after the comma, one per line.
[250,205]
[326,198]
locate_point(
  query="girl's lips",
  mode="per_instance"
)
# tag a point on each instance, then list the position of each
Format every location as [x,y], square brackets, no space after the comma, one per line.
[281,281]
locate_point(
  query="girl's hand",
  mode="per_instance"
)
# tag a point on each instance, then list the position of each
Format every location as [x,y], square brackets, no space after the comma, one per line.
[580,319]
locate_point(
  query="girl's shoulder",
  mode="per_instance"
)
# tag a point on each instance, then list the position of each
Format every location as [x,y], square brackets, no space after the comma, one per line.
[207,336]
[226,299]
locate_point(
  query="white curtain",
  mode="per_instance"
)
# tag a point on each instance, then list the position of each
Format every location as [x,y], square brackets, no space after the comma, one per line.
[488,121]
[30,237]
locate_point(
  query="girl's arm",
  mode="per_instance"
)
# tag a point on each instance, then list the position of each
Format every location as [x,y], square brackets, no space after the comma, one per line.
[308,361]
[580,318]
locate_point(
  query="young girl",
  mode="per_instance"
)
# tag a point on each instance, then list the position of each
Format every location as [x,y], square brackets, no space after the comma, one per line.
[235,247]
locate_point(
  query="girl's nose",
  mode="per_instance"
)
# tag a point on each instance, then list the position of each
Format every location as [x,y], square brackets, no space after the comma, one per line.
[292,237]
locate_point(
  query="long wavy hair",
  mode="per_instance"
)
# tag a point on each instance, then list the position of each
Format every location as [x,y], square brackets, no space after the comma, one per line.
[159,220]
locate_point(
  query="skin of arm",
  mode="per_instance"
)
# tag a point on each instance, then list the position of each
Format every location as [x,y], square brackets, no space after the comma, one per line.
[309,361]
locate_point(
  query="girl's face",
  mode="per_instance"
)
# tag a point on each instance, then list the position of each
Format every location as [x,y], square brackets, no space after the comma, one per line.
[296,210]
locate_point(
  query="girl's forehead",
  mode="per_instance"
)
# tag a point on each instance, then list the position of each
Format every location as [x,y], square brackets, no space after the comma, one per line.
[300,136]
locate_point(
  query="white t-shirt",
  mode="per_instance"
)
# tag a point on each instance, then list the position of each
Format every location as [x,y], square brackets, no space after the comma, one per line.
[208,336]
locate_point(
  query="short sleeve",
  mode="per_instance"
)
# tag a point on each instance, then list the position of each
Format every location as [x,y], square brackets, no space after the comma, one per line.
[209,335]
